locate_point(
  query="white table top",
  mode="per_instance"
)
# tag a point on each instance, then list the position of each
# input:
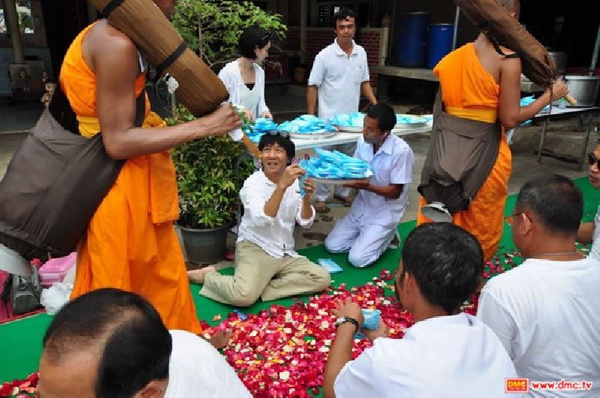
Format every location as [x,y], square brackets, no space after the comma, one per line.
[344,138]
[556,111]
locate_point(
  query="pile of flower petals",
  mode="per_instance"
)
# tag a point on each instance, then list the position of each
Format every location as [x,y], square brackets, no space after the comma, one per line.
[281,352]
[21,388]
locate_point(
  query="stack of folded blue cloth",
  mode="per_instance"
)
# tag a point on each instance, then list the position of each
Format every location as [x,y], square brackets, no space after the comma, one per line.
[255,130]
[306,124]
[352,119]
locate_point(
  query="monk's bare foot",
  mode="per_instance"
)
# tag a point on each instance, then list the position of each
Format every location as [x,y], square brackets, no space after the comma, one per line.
[220,339]
[198,275]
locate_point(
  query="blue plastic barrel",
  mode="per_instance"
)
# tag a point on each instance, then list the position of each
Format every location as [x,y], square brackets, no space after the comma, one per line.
[439,42]
[412,38]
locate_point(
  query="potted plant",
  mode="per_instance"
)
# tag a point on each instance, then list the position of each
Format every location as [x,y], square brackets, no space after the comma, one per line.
[210,174]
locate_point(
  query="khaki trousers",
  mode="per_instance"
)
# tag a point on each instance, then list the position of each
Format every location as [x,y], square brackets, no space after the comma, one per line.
[257,274]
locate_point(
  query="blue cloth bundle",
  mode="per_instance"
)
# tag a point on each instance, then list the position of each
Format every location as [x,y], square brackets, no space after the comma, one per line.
[306,124]
[372,319]
[352,119]
[259,127]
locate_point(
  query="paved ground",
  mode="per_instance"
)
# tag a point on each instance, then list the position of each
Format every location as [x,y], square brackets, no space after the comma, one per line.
[565,137]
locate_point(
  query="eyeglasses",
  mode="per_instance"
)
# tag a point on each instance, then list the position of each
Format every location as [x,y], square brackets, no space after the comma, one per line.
[593,160]
[511,219]
[284,134]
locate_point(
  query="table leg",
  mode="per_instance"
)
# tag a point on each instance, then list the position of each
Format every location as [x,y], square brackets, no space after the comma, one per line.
[588,129]
[542,139]
[383,87]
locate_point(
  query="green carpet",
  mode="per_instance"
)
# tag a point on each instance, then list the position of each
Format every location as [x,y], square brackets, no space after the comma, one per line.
[20,341]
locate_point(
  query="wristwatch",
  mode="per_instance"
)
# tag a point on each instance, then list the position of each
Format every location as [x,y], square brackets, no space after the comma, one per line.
[346,319]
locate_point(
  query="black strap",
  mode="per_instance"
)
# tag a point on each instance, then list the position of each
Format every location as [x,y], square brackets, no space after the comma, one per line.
[160,68]
[353,321]
[110,7]
[60,108]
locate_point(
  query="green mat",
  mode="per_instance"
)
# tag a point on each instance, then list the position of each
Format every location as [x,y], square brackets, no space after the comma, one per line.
[20,341]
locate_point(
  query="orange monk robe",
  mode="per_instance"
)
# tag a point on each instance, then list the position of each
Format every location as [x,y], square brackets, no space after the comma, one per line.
[469,91]
[131,243]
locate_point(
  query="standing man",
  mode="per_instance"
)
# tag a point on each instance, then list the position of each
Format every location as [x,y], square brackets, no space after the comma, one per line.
[546,311]
[130,242]
[368,228]
[479,85]
[339,75]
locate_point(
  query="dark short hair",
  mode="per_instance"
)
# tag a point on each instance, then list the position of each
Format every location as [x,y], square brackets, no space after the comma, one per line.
[446,262]
[342,15]
[384,114]
[136,344]
[273,138]
[555,199]
[253,37]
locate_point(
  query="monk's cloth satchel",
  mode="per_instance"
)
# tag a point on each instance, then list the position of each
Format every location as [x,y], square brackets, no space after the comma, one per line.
[461,155]
[54,183]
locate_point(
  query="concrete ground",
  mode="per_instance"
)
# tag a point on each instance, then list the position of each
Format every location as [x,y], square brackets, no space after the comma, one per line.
[565,136]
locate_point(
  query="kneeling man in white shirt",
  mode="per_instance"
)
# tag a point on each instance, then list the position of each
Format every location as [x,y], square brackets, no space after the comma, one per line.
[267,266]
[446,353]
[369,227]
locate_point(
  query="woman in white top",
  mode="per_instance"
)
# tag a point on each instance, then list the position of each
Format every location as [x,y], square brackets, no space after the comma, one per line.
[244,78]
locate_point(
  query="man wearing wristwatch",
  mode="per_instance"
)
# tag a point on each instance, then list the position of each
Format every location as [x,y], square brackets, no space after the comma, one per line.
[446,353]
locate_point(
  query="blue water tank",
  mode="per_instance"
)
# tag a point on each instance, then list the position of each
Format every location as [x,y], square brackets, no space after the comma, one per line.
[412,39]
[439,42]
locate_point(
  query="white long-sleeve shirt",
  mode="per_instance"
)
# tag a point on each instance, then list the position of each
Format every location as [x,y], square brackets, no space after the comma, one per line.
[275,235]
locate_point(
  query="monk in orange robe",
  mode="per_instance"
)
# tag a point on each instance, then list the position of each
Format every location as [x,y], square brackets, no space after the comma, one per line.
[480,84]
[131,243]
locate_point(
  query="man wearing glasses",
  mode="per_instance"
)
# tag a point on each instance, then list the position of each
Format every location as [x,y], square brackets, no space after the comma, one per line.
[546,312]
[266,264]
[588,233]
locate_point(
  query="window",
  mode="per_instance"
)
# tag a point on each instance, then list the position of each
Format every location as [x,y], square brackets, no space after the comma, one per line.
[25,19]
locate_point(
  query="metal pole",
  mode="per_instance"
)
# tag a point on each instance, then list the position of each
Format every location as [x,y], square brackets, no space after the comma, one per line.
[12,20]
[455,34]
[303,18]
[595,54]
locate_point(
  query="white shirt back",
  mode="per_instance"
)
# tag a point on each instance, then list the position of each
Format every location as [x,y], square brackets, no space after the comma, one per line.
[448,356]
[338,78]
[197,369]
[392,164]
[275,235]
[547,316]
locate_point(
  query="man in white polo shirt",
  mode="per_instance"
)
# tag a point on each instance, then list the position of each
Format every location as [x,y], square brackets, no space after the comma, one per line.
[446,353]
[339,74]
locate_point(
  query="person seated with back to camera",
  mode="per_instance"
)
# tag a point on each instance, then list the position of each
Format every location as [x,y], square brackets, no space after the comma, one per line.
[445,353]
[112,343]
[267,266]
[369,227]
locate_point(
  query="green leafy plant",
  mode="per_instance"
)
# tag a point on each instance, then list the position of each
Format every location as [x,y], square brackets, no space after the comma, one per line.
[212,28]
[210,174]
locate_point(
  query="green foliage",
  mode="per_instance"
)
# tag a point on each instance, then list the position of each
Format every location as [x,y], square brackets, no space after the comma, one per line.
[210,174]
[212,28]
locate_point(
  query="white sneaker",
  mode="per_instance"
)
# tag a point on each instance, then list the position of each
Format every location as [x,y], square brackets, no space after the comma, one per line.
[437,212]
